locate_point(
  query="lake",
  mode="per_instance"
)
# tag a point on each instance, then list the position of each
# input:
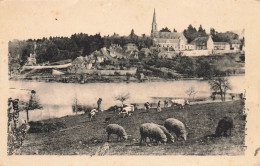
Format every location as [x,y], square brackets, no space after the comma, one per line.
[57,98]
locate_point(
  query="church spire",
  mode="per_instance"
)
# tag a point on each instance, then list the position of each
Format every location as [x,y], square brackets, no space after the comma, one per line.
[154,24]
[154,17]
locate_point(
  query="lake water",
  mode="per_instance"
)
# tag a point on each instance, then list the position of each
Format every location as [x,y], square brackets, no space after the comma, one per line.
[57,98]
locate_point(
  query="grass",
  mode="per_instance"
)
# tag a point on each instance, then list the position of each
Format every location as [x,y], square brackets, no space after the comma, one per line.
[84,137]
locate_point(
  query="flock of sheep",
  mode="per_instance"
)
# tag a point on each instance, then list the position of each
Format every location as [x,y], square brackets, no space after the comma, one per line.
[159,133]
[163,134]
[152,131]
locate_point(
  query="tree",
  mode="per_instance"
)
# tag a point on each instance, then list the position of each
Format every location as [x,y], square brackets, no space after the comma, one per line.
[184,65]
[204,69]
[128,76]
[166,29]
[190,33]
[212,32]
[191,92]
[220,85]
[224,37]
[174,30]
[201,31]
[122,97]
[34,103]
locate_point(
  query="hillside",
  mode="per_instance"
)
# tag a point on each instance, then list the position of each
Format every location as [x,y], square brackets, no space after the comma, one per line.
[80,136]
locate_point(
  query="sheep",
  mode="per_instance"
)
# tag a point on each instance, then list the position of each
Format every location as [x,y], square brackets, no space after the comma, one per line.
[152,131]
[92,114]
[127,110]
[147,106]
[116,129]
[180,102]
[224,125]
[170,138]
[177,127]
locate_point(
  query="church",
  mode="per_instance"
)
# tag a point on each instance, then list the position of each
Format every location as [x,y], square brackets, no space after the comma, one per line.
[173,40]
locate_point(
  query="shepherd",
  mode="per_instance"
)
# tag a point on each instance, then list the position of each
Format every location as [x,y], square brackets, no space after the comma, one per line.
[99,104]
[159,106]
[165,103]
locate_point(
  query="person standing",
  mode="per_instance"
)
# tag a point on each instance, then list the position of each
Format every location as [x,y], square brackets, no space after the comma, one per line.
[159,106]
[99,104]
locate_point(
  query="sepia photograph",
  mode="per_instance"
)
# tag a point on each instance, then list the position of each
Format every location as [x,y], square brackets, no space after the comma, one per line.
[127,78]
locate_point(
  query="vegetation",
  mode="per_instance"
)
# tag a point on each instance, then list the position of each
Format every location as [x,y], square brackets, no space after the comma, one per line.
[34,103]
[83,137]
[62,48]
[166,29]
[191,92]
[191,33]
[220,86]
[122,97]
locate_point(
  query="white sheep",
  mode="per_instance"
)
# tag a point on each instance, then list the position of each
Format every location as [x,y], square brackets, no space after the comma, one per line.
[116,129]
[152,131]
[169,137]
[180,102]
[92,114]
[177,127]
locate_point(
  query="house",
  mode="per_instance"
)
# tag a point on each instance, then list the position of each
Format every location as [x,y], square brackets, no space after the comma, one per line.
[221,46]
[80,65]
[190,47]
[31,60]
[130,48]
[98,56]
[203,43]
[145,51]
[235,45]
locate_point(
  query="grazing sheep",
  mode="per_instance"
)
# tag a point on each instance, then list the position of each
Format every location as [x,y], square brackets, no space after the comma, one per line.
[147,106]
[116,129]
[170,138]
[177,127]
[224,125]
[127,110]
[92,114]
[152,131]
[180,102]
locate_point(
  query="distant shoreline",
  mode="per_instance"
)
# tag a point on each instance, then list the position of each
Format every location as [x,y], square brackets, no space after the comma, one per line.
[113,80]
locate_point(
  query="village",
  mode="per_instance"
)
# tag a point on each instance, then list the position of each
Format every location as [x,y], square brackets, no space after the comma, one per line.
[131,62]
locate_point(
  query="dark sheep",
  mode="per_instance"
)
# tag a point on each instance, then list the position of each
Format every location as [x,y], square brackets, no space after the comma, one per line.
[224,125]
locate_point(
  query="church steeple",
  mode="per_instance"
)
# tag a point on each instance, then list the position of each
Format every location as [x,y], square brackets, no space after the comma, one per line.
[154,24]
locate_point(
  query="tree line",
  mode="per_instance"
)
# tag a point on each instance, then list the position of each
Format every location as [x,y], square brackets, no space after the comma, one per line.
[54,49]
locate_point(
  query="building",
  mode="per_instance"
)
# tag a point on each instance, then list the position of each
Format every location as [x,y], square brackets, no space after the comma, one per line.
[174,40]
[235,45]
[80,65]
[190,47]
[31,60]
[145,51]
[130,48]
[221,46]
[203,43]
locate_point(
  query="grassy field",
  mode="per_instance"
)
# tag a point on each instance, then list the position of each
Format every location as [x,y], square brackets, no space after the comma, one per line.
[80,136]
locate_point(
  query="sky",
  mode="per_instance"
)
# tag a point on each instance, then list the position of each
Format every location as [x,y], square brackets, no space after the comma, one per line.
[24,19]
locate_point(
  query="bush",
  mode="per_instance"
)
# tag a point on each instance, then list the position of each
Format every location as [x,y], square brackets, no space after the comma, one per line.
[170,75]
[116,73]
